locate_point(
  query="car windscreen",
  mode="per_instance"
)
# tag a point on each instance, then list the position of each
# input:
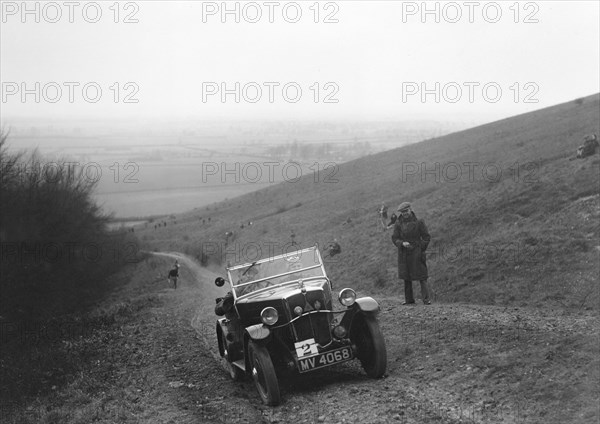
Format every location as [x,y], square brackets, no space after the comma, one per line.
[277,270]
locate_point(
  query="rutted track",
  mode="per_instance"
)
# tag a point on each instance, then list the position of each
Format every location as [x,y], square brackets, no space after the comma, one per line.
[404,395]
[439,366]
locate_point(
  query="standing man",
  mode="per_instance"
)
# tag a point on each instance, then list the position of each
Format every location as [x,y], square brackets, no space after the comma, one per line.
[411,238]
[174,275]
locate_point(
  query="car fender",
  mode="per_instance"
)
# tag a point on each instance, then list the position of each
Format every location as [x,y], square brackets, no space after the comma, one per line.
[364,305]
[258,332]
[367,304]
[255,333]
[221,333]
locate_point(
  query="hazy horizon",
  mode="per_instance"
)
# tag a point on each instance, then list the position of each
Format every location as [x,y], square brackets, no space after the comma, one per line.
[359,61]
[165,87]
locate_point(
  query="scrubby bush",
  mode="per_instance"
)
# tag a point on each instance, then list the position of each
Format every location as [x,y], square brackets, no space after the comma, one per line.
[56,250]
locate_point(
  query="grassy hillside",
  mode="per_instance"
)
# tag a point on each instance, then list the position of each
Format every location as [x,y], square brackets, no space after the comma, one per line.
[513,220]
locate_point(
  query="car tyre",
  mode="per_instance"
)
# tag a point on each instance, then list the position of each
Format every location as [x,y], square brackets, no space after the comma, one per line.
[371,345]
[263,374]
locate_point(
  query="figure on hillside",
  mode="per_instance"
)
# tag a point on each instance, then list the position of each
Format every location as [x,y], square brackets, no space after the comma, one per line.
[174,275]
[393,219]
[383,211]
[589,147]
[411,238]
[334,248]
[383,216]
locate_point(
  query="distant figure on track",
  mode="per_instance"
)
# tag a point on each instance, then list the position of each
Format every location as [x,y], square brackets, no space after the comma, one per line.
[174,275]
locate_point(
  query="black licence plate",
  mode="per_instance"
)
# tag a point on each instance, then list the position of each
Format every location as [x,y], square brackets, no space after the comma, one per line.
[325,359]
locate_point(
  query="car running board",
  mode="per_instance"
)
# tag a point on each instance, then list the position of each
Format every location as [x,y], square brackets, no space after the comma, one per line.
[240,364]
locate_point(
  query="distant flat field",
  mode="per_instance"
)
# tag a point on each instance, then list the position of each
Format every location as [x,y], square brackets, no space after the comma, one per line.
[166,179]
[144,188]
[181,173]
[168,201]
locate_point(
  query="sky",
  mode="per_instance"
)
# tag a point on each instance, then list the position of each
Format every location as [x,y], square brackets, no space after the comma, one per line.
[375,60]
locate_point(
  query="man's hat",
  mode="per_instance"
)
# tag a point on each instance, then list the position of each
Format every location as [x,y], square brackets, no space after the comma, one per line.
[403,206]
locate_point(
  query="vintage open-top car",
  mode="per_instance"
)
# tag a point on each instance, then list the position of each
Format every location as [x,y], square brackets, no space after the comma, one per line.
[279,316]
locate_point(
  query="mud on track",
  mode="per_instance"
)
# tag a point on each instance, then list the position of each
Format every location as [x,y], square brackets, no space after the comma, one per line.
[447,363]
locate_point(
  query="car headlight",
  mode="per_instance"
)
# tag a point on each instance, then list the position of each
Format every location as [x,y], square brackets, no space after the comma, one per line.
[347,297]
[269,315]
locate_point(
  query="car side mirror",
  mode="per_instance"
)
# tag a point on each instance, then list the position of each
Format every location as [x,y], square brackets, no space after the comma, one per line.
[219,281]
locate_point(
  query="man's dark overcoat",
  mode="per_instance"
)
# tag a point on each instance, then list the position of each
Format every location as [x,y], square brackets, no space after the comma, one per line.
[412,261]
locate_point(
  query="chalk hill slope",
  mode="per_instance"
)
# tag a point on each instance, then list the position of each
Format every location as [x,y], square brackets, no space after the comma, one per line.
[513,220]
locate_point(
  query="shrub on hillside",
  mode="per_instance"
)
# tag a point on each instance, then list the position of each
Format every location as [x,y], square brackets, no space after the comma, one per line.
[55,247]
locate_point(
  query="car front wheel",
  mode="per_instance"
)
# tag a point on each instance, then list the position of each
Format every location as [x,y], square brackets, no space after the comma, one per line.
[371,345]
[263,374]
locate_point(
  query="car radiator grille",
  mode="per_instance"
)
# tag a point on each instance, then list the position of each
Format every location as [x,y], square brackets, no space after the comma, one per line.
[320,326]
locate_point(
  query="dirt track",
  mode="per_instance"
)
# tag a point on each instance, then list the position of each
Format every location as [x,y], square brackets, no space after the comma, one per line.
[150,356]
[446,363]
